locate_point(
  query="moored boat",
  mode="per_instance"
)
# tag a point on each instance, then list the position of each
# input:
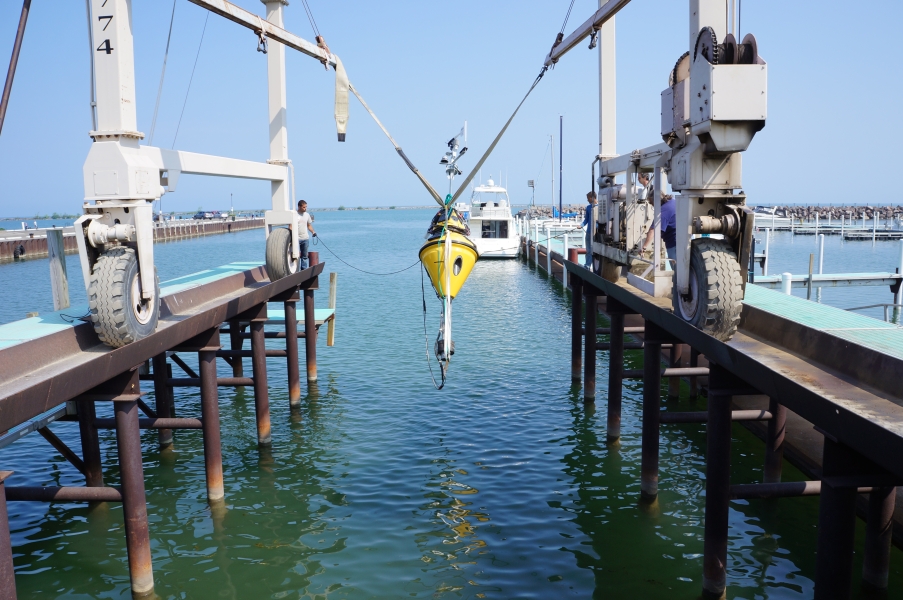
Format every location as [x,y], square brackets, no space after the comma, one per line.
[491,222]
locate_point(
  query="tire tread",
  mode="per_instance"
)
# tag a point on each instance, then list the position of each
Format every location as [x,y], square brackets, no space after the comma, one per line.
[107,297]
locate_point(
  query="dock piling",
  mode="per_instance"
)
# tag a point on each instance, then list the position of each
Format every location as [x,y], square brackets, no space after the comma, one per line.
[111,375]
[258,317]
[134,502]
[576,328]
[236,342]
[836,525]
[589,345]
[717,481]
[694,382]
[7,573]
[90,443]
[652,383]
[787,283]
[210,425]
[653,339]
[163,397]
[291,352]
[616,312]
[330,327]
[59,278]
[879,526]
[774,442]
[674,362]
[898,295]
[310,325]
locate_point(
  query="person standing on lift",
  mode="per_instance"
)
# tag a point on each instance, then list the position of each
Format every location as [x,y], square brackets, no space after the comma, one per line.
[305,224]
[590,225]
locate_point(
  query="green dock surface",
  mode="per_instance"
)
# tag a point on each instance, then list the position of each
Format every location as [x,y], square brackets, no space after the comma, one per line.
[881,336]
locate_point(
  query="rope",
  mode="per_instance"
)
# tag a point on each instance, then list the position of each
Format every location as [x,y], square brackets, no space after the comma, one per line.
[319,240]
[479,165]
[310,17]
[398,149]
[492,146]
[426,339]
[150,137]
[190,79]
[74,318]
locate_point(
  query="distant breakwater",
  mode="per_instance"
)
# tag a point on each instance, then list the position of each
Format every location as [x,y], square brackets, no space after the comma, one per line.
[541,212]
[795,212]
[836,212]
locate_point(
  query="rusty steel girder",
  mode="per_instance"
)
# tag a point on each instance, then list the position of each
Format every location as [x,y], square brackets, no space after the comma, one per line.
[849,391]
[40,374]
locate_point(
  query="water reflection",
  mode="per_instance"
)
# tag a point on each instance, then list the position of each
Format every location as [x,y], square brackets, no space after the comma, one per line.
[378,487]
[452,545]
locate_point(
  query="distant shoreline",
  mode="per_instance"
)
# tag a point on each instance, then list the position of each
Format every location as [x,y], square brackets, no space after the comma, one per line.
[792,207]
[245,210]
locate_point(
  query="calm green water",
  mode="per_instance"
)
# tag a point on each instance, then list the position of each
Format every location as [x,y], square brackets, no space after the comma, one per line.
[499,486]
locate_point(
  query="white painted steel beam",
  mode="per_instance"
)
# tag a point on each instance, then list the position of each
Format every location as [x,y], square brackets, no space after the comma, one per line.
[773,282]
[283,212]
[644,159]
[607,89]
[707,13]
[255,23]
[114,61]
[179,161]
[606,12]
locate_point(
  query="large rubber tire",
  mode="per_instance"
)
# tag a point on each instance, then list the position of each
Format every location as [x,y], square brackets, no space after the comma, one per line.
[119,315]
[716,289]
[279,254]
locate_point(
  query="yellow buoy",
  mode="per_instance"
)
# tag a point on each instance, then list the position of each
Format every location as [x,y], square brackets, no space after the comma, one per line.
[462,255]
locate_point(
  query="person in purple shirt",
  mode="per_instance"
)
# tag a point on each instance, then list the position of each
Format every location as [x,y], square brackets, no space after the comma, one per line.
[669,228]
[588,223]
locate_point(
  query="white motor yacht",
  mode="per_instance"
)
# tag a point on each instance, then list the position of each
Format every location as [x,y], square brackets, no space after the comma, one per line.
[491,223]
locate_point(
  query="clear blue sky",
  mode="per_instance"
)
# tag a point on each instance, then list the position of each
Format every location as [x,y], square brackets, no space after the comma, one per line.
[425,67]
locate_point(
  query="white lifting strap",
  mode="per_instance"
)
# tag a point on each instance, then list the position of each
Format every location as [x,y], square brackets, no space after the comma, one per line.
[341,98]
[343,86]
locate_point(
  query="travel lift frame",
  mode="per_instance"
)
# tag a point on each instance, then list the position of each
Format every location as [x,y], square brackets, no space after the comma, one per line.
[122,178]
[704,134]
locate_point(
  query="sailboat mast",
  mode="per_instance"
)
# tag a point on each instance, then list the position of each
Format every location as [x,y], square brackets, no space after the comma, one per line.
[552,154]
[560,165]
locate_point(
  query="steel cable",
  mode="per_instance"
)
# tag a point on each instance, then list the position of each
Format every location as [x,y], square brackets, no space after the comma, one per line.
[190,79]
[319,240]
[172,17]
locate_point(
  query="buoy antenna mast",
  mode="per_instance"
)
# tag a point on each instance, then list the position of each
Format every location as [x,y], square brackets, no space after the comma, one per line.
[451,157]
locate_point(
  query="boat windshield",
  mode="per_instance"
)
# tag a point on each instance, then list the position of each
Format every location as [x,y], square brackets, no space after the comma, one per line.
[489,196]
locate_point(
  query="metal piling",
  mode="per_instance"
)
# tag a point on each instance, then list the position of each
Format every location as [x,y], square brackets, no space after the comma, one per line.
[717,484]
[134,502]
[589,343]
[259,367]
[7,572]
[213,451]
[652,383]
[576,328]
[291,352]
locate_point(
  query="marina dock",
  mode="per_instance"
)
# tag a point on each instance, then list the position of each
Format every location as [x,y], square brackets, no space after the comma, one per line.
[54,369]
[819,385]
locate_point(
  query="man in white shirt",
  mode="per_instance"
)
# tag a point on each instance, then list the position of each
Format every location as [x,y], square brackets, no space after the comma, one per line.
[305,224]
[644,189]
